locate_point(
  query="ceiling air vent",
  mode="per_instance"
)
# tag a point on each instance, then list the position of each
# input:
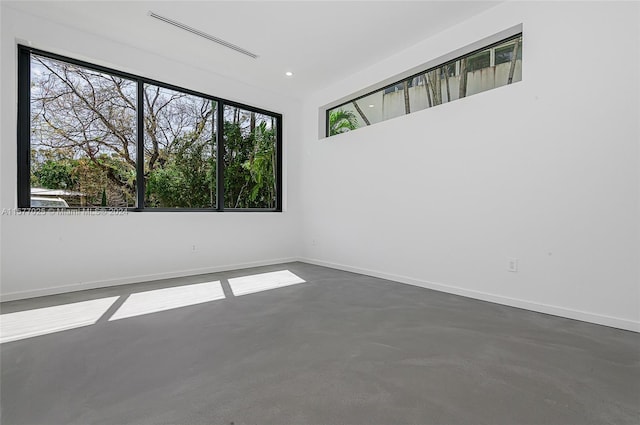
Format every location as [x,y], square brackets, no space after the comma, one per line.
[203,35]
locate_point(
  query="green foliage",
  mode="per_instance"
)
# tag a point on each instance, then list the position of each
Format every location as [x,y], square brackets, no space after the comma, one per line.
[187,176]
[341,121]
[187,179]
[250,175]
[56,174]
[236,152]
[109,174]
[261,167]
[84,140]
[52,170]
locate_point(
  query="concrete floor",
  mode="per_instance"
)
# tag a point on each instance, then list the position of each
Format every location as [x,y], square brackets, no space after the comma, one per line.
[340,349]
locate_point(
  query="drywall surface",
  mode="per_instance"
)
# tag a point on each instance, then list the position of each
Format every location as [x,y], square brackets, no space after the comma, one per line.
[544,171]
[48,254]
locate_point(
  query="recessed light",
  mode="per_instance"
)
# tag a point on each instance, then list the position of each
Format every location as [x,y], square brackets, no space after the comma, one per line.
[289,74]
[371,106]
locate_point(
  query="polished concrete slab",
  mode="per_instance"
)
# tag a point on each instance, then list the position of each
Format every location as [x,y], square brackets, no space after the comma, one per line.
[340,348]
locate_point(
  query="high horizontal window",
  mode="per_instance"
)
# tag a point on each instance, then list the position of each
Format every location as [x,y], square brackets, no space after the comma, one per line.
[492,66]
[89,136]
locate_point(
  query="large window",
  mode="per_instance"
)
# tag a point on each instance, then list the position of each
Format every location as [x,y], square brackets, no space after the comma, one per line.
[483,69]
[95,137]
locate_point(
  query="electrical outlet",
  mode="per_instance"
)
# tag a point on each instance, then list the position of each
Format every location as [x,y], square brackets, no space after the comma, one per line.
[512,264]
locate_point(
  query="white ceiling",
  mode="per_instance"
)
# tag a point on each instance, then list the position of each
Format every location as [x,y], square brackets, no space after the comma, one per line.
[320,41]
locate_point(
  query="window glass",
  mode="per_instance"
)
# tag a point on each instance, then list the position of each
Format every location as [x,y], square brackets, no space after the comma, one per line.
[344,119]
[375,108]
[83,135]
[479,61]
[417,93]
[468,75]
[449,70]
[179,149]
[91,137]
[250,179]
[504,53]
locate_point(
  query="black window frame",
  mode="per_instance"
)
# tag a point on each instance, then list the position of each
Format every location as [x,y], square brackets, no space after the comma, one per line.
[24,134]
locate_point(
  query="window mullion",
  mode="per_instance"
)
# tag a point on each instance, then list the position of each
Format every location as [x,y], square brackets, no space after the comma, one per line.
[220,157]
[140,146]
[278,164]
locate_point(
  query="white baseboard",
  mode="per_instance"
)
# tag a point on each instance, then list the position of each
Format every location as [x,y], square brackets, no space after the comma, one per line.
[614,322]
[12,296]
[599,319]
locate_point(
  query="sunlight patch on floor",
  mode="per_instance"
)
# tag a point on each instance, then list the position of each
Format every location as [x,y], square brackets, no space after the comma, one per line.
[169,298]
[41,321]
[263,281]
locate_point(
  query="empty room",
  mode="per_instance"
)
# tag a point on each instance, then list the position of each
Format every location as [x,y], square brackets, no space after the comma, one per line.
[319,212]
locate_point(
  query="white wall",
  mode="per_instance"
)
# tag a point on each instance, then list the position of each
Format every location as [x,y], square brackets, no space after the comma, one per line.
[48,254]
[545,170]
